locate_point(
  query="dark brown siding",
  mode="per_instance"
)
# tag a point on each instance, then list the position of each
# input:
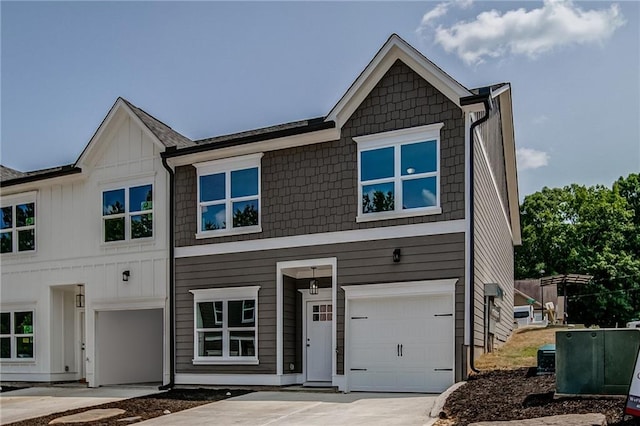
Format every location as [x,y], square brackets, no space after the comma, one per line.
[369,262]
[313,189]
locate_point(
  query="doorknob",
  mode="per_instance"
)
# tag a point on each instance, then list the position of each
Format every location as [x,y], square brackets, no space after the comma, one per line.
[398,349]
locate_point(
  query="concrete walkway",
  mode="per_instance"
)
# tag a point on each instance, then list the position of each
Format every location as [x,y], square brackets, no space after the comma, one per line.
[33,402]
[293,408]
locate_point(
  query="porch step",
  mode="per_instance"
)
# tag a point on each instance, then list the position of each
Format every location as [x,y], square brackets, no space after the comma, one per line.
[312,389]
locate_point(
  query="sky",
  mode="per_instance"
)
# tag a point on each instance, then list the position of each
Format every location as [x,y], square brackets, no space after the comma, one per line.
[213,68]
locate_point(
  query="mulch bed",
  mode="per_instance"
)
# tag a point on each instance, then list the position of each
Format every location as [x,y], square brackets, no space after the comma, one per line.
[147,407]
[518,394]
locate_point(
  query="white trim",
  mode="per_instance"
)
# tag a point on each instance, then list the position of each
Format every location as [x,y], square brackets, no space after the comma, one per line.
[20,198]
[310,138]
[395,48]
[408,135]
[508,136]
[324,295]
[207,294]
[325,238]
[410,288]
[124,304]
[13,201]
[237,379]
[372,217]
[226,164]
[225,295]
[280,267]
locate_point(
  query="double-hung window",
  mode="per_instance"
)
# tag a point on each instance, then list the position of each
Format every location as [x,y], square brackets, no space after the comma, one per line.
[18,224]
[225,325]
[229,196]
[127,213]
[399,173]
[16,335]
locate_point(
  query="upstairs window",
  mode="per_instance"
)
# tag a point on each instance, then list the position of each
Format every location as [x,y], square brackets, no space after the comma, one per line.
[229,196]
[399,173]
[18,227]
[127,213]
[16,335]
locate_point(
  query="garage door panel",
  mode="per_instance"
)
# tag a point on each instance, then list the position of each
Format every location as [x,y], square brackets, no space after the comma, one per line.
[423,325]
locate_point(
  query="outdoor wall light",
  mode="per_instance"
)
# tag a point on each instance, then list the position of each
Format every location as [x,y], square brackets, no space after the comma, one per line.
[80,297]
[125,275]
[396,255]
[313,284]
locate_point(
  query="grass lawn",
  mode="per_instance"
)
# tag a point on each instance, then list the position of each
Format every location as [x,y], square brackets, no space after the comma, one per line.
[520,350]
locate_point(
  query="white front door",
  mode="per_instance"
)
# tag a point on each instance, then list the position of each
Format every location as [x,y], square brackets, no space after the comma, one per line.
[318,344]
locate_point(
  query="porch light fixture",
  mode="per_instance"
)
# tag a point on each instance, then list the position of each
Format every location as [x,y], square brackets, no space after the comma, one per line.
[125,275]
[396,255]
[313,284]
[80,297]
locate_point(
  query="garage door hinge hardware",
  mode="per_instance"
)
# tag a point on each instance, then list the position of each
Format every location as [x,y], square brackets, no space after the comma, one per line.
[359,317]
[443,315]
[443,369]
[358,369]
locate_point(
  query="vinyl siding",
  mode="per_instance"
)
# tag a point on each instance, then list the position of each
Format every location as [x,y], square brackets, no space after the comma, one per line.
[493,246]
[313,189]
[370,262]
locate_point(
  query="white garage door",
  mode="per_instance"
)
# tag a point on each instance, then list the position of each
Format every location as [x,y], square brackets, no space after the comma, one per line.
[401,344]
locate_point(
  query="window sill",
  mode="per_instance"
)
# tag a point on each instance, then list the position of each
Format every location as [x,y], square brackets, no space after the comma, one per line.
[141,241]
[230,232]
[228,361]
[370,217]
[18,361]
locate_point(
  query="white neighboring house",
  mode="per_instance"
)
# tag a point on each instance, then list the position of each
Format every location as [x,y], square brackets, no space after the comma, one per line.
[95,230]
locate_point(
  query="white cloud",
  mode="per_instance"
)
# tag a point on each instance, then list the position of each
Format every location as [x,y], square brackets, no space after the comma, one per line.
[527,32]
[440,10]
[531,159]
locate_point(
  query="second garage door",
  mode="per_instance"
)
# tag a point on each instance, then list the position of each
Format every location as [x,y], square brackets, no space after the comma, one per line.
[401,344]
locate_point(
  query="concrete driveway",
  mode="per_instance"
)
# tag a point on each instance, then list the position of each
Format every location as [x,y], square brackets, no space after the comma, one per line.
[306,408]
[32,402]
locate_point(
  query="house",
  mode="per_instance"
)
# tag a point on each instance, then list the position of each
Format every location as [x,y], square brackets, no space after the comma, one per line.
[85,260]
[370,249]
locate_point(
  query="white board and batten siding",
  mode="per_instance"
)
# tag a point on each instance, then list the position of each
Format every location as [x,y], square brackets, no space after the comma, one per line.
[400,336]
[70,251]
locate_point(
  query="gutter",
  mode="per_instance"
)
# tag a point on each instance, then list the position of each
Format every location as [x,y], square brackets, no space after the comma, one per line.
[313,126]
[62,171]
[172,338]
[469,100]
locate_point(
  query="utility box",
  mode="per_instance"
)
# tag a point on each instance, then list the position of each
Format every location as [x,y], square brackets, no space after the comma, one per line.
[546,359]
[595,362]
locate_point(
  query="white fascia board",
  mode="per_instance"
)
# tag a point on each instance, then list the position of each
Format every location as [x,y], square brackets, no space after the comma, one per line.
[310,138]
[509,145]
[395,48]
[412,288]
[325,238]
[88,153]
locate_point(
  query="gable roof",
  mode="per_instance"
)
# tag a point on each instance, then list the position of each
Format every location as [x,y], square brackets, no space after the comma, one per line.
[395,49]
[165,134]
[161,134]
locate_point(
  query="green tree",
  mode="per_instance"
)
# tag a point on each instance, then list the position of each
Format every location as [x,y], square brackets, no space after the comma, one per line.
[587,230]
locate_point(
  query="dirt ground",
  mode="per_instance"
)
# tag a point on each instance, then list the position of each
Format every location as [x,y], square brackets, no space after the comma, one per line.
[517,394]
[146,407]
